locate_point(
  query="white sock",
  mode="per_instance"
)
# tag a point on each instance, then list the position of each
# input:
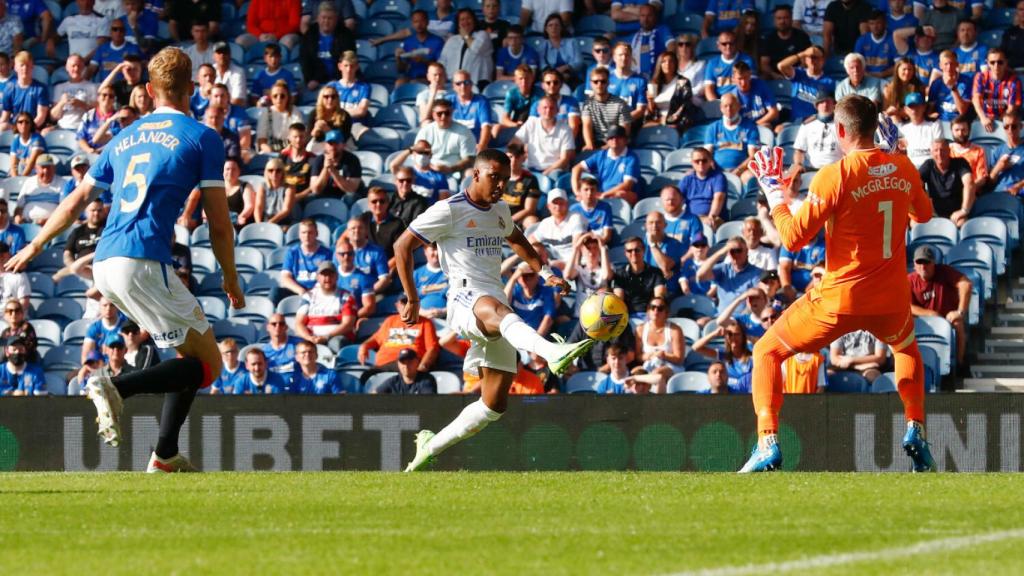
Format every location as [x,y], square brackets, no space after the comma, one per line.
[523,337]
[471,420]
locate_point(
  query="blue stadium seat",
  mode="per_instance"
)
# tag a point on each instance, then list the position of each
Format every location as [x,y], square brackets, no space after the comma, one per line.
[496,91]
[991,38]
[63,357]
[941,233]
[382,72]
[693,137]
[678,160]
[258,163]
[766,136]
[692,382]
[56,385]
[201,236]
[644,206]
[257,308]
[708,47]
[51,260]
[743,208]
[846,383]
[932,366]
[691,331]
[376,381]
[996,18]
[261,284]
[289,305]
[74,333]
[349,382]
[371,162]
[367,328]
[978,255]
[373,28]
[214,307]
[1006,208]
[210,285]
[71,287]
[447,383]
[383,140]
[692,306]
[992,231]
[938,333]
[406,93]
[728,230]
[594,26]
[333,210]
[60,310]
[787,137]
[583,383]
[622,213]
[47,331]
[661,138]
[261,235]
[884,384]
[398,11]
[203,261]
[650,163]
[248,261]
[240,329]
[685,23]
[359,207]
[348,356]
[42,285]
[401,117]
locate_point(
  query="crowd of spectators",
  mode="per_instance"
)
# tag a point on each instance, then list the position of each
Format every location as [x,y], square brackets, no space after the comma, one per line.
[628,129]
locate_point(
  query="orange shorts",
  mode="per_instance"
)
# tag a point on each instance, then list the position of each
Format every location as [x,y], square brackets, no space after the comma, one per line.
[807,327]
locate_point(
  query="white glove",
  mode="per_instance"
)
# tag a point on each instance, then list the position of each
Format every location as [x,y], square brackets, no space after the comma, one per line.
[767,167]
[888,133]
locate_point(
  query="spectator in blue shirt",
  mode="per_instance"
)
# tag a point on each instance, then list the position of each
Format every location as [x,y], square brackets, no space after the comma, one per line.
[750,316]
[626,84]
[419,48]
[108,55]
[519,100]
[23,94]
[897,17]
[679,224]
[970,53]
[595,212]
[32,12]
[265,78]
[568,106]
[733,139]
[107,324]
[968,9]
[723,15]
[10,233]
[232,372]
[617,359]
[258,379]
[757,102]
[280,349]
[351,279]
[718,70]
[616,169]
[730,278]
[353,93]
[431,285]
[514,53]
[950,95]
[309,377]
[705,189]
[298,272]
[661,251]
[18,376]
[795,268]
[414,163]
[146,24]
[471,110]
[926,60]
[530,299]
[371,259]
[26,147]
[736,355]
[877,47]
[650,40]
[807,82]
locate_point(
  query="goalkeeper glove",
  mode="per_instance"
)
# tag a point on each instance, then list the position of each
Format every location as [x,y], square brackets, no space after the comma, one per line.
[888,133]
[767,168]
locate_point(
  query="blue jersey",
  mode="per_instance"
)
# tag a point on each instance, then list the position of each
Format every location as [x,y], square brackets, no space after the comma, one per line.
[598,219]
[609,386]
[893,23]
[805,90]
[198,104]
[804,261]
[431,52]
[30,381]
[17,99]
[965,7]
[436,279]
[972,60]
[1014,172]
[472,115]
[731,284]
[925,62]
[371,260]
[323,382]
[750,323]
[942,97]
[647,46]
[506,62]
[237,119]
[152,166]
[632,88]
[20,151]
[567,106]
[730,145]
[718,70]
[303,266]
[29,11]
[727,14]
[879,55]
[686,229]
[533,310]
[689,271]
[98,332]
[429,183]
[274,384]
[611,172]
[91,123]
[281,360]
[148,27]
[357,283]
[350,97]
[265,79]
[229,380]
[740,372]
[699,193]
[13,236]
[107,57]
[669,246]
[756,103]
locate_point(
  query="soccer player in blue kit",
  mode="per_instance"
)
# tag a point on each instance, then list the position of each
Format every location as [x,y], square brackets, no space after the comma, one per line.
[151,167]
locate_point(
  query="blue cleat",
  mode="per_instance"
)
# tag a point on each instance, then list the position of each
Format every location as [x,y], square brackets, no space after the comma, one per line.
[764,459]
[916,447]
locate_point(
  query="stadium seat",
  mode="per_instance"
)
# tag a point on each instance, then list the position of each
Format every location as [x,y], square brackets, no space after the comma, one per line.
[996,18]
[401,117]
[406,93]
[691,331]
[383,140]
[678,160]
[992,231]
[594,26]
[397,11]
[976,254]
[991,38]
[241,330]
[55,383]
[650,162]
[63,357]
[583,383]
[51,260]
[349,382]
[334,210]
[248,261]
[939,232]
[661,138]
[496,91]
[685,23]
[367,328]
[644,206]
[257,308]
[728,230]
[884,384]
[742,208]
[203,261]
[261,284]
[938,333]
[47,331]
[258,163]
[71,287]
[61,310]
[1005,207]
[693,137]
[210,285]
[692,382]
[376,381]
[447,383]
[62,141]
[383,72]
[348,356]
[692,306]
[41,284]
[74,333]
[201,236]
[622,213]
[214,307]
[846,383]
[371,162]
[289,305]
[707,47]
[261,235]
[932,366]
[373,28]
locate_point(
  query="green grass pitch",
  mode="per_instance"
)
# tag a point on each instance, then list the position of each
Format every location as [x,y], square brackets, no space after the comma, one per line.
[503,523]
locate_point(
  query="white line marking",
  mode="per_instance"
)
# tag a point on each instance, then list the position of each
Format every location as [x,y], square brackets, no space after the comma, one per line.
[830,560]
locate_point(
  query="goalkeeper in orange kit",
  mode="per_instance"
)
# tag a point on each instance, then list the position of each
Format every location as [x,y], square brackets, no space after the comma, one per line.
[865,202]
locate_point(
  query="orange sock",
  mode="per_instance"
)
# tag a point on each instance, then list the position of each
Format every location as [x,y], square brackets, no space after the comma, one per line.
[910,381]
[769,354]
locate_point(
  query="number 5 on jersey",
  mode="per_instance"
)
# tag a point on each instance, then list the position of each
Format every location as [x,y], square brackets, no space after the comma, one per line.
[138,179]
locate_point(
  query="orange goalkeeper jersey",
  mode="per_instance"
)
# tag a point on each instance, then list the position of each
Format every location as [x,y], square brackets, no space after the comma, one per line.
[865,202]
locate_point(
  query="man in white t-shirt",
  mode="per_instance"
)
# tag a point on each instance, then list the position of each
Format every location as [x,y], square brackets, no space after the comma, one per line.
[917,135]
[550,146]
[85,30]
[452,145]
[228,74]
[809,15]
[72,99]
[816,143]
[534,13]
[559,232]
[470,230]
[40,194]
[13,285]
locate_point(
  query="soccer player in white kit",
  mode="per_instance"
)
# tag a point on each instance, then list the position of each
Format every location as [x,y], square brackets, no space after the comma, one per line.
[470,229]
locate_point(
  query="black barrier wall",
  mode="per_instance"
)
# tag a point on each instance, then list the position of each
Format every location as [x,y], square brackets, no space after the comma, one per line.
[697,433]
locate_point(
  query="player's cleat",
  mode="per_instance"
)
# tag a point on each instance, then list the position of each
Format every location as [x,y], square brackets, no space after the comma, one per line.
[423,458]
[176,463]
[570,352]
[916,447]
[101,390]
[765,458]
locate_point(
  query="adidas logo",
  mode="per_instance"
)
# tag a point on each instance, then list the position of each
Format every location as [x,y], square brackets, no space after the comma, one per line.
[472,224]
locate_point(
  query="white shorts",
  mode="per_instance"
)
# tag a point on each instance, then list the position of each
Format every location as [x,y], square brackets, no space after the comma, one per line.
[485,351]
[150,293]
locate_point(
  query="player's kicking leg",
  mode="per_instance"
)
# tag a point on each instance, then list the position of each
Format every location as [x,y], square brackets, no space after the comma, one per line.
[910,383]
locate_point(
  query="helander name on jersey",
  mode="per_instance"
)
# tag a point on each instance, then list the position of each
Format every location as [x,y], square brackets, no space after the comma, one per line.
[142,136]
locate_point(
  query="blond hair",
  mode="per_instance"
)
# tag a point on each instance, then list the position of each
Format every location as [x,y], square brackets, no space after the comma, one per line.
[170,74]
[22,57]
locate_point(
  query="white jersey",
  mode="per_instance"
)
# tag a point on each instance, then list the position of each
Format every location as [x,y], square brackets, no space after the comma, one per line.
[819,141]
[469,239]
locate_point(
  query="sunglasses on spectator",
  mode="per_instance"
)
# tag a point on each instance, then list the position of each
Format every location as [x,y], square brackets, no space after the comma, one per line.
[329,96]
[601,50]
[1011,126]
[272,170]
[275,323]
[994,62]
[552,81]
[463,83]
[657,307]
[633,250]
[598,81]
[700,160]
[404,180]
[12,310]
[345,254]
[442,112]
[735,250]
[116,29]
[726,43]
[379,201]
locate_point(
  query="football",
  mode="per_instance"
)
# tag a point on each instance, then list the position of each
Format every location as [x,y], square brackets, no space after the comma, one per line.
[604,316]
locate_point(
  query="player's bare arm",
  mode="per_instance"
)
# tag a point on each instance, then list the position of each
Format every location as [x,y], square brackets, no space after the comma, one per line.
[407,243]
[64,216]
[521,246]
[222,240]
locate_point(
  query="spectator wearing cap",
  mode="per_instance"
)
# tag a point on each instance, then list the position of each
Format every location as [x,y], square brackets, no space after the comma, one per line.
[115,349]
[26,146]
[73,98]
[996,90]
[328,314]
[337,173]
[321,46]
[354,280]
[860,352]
[39,194]
[730,278]
[140,352]
[636,282]
[559,231]
[616,169]
[950,95]
[732,139]
[718,71]
[918,134]
[394,335]
[232,373]
[858,81]
[112,52]
[1008,171]
[84,30]
[757,102]
[80,246]
[783,41]
[704,189]
[940,290]
[18,375]
[272,21]
[452,145]
[949,182]
[24,94]
[353,93]
[431,284]
[1012,43]
[230,75]
[411,379]
[531,299]
[10,233]
[370,258]
[309,377]
[807,83]
[877,47]
[602,110]
[258,380]
[549,143]
[280,348]
[200,51]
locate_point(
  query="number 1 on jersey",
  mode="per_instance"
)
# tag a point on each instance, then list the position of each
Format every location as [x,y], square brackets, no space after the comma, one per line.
[139,180]
[885,207]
